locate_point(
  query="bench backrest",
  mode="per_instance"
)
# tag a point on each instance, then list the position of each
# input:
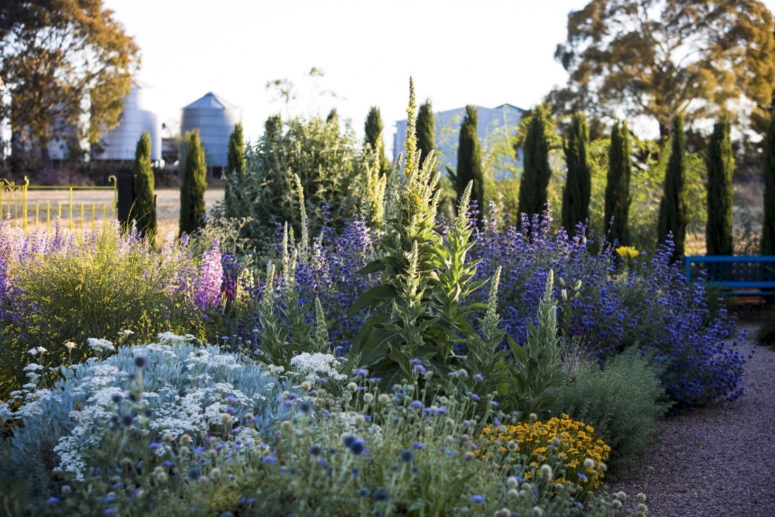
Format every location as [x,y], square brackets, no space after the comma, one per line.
[733,271]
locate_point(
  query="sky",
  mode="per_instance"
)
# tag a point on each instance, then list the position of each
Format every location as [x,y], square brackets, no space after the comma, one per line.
[483,52]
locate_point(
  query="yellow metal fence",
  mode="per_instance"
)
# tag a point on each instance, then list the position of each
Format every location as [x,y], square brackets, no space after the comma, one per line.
[26,205]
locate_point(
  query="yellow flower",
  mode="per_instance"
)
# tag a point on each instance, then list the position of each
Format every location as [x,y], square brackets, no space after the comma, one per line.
[627,252]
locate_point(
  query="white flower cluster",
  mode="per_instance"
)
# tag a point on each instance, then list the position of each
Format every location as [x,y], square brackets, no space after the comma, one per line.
[100,345]
[192,388]
[314,365]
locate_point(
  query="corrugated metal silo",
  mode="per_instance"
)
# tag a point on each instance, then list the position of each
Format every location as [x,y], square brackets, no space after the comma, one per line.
[215,119]
[139,115]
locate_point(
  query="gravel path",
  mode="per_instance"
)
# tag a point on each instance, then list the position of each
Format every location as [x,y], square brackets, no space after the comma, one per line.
[717,461]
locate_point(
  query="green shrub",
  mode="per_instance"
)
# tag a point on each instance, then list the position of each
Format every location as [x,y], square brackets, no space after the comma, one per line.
[622,402]
[106,285]
[333,171]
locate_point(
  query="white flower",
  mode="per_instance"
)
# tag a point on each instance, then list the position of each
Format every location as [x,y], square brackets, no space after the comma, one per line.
[70,345]
[32,367]
[100,345]
[314,365]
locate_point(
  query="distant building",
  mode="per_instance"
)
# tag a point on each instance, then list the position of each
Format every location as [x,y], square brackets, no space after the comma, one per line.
[215,118]
[138,116]
[493,123]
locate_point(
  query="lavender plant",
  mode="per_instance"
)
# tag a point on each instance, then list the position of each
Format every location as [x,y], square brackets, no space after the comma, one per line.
[649,305]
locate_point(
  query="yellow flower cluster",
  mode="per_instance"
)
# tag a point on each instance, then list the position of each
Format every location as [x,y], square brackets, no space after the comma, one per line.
[627,252]
[563,439]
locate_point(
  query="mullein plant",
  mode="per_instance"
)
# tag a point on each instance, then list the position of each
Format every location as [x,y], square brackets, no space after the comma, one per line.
[419,309]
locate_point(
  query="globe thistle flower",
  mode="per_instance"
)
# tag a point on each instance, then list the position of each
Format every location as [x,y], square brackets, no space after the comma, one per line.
[589,463]
[140,361]
[352,386]
[383,398]
[368,398]
[381,494]
[537,511]
[503,512]
[546,472]
[315,450]
[406,456]
[358,447]
[286,425]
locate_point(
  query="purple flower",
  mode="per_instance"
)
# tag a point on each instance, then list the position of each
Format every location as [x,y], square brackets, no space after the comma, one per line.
[154,445]
[416,404]
[441,411]
[477,498]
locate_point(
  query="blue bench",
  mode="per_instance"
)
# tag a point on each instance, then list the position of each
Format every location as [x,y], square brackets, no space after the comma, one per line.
[738,276]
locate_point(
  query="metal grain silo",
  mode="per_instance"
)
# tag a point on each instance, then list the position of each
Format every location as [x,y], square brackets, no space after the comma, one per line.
[139,115]
[215,119]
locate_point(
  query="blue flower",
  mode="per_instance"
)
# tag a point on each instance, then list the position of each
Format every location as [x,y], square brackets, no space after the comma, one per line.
[416,404]
[305,406]
[358,447]
[194,474]
[315,450]
[349,440]
[154,445]
[52,500]
[418,445]
[140,361]
[363,492]
[406,456]
[381,494]
[475,397]
[441,411]
[477,498]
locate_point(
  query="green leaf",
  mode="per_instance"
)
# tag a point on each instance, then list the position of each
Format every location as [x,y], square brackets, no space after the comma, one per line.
[372,297]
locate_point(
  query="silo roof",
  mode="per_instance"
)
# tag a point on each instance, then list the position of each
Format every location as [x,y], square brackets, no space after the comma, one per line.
[210,101]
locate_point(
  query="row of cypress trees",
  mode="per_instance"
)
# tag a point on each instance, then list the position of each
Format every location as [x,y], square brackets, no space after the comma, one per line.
[533,188]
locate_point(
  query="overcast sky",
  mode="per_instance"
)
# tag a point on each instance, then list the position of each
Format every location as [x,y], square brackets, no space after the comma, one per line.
[484,52]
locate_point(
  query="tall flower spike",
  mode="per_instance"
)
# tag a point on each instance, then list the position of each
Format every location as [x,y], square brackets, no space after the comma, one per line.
[304,244]
[321,332]
[411,132]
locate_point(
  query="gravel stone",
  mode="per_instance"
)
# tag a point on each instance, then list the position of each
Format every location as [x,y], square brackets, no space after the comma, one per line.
[718,460]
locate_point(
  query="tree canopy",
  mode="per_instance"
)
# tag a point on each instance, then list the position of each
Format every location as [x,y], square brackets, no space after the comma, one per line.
[658,58]
[61,60]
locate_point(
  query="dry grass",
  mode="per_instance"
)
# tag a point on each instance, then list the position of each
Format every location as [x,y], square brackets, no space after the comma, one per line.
[167,208]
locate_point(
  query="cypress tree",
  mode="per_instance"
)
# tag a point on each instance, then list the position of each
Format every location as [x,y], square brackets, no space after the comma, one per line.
[333,117]
[578,184]
[535,178]
[373,131]
[235,164]
[721,164]
[192,189]
[425,130]
[469,160]
[672,208]
[143,211]
[768,227]
[617,190]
